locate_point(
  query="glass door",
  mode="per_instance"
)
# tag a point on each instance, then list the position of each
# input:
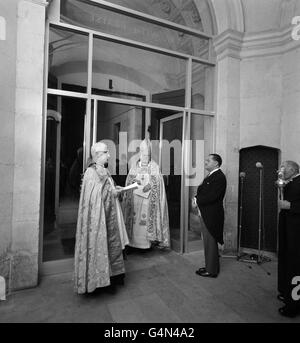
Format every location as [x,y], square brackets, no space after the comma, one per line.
[198,146]
[65,142]
[170,160]
[121,127]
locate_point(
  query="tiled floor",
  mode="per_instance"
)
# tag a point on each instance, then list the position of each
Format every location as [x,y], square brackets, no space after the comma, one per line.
[161,287]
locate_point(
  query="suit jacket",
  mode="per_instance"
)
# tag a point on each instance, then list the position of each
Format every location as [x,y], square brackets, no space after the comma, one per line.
[289,240]
[210,195]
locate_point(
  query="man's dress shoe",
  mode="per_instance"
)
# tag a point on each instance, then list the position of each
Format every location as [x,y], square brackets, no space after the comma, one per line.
[200,270]
[289,312]
[206,274]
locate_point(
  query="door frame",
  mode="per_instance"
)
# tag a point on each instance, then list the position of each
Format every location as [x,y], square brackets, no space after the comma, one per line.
[161,122]
[54,21]
[257,150]
[182,190]
[66,264]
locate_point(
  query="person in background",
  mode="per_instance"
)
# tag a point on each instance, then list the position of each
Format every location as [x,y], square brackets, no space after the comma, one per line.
[289,241]
[145,208]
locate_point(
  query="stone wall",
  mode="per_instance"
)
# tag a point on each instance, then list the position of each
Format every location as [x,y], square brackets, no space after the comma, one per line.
[261,101]
[290,121]
[258,77]
[21,139]
[8,10]
[28,119]
[270,102]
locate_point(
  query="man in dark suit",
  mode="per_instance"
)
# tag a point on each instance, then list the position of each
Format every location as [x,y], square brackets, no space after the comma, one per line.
[209,198]
[289,242]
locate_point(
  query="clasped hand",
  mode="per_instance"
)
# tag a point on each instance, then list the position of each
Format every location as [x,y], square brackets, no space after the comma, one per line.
[147,188]
[284,204]
[118,190]
[136,181]
[194,203]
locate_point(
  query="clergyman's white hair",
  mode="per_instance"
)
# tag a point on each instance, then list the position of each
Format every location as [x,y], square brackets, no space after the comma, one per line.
[96,148]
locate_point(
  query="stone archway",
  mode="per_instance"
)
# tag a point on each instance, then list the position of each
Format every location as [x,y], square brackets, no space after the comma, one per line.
[224,15]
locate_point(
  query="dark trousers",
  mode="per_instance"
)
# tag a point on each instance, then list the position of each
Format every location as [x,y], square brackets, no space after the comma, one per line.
[211,252]
[288,259]
[281,284]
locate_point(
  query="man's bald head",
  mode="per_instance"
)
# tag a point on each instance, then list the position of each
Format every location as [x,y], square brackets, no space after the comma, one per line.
[293,165]
[291,169]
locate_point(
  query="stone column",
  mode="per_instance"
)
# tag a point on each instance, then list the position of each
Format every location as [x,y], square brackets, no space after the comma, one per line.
[7,131]
[227,47]
[28,143]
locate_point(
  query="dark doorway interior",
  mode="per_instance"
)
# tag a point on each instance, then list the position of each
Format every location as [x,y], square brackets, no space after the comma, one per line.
[250,205]
[60,219]
[172,130]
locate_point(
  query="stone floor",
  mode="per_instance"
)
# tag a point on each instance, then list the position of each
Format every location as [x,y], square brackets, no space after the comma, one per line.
[160,287]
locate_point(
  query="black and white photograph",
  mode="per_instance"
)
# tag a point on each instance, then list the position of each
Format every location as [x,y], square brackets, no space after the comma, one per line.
[149,164]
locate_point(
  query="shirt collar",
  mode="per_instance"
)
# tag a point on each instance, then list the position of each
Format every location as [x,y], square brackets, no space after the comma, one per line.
[293,177]
[213,171]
